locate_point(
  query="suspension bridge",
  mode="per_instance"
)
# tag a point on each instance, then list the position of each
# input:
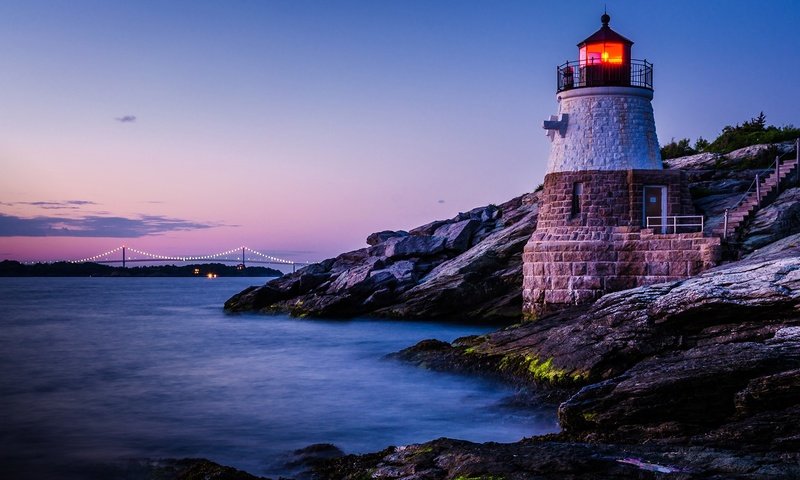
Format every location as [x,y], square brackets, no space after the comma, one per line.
[241,256]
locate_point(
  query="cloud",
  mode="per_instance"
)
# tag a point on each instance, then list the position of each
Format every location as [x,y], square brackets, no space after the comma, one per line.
[95,226]
[126,119]
[61,205]
[68,204]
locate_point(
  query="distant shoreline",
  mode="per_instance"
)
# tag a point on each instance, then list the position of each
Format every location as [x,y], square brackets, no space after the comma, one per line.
[12,268]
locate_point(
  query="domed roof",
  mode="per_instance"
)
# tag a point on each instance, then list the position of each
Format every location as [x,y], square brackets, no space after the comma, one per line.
[605,34]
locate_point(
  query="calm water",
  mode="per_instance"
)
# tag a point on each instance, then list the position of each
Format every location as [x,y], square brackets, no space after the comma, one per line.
[98,369]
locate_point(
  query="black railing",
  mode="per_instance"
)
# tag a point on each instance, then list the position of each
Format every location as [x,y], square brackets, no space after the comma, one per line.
[636,73]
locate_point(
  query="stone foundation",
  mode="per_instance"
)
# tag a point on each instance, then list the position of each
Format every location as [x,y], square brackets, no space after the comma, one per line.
[584,249]
[572,266]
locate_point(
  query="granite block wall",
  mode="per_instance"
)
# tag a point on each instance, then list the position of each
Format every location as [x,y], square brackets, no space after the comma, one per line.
[582,250]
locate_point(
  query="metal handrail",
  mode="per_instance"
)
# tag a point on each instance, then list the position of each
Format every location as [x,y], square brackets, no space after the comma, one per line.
[580,74]
[673,222]
[774,167]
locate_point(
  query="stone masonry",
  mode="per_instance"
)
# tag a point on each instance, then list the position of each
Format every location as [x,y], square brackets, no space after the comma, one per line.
[608,128]
[604,180]
[576,258]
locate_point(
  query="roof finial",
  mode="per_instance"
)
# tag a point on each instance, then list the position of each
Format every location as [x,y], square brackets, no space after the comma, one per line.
[605,18]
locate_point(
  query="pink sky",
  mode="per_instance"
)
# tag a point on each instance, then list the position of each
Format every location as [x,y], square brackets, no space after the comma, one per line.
[298,128]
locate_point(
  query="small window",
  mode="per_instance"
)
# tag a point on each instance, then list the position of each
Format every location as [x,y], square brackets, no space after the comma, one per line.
[577,192]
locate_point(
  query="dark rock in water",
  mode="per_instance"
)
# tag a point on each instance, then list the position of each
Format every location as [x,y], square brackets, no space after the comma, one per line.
[144,469]
[308,457]
[555,458]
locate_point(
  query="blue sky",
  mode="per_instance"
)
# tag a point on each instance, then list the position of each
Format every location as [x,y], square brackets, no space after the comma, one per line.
[299,127]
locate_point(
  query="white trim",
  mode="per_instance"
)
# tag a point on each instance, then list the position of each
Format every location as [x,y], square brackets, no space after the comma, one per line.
[591,91]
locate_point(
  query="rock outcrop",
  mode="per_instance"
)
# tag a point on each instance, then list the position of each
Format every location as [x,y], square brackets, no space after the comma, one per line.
[468,267]
[695,378]
[699,378]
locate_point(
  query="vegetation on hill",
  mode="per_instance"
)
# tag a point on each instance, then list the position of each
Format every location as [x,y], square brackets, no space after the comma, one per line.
[752,132]
[11,268]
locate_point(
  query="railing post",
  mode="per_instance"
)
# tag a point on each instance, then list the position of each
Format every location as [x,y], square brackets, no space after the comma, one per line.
[725,225]
[778,174]
[674,225]
[758,188]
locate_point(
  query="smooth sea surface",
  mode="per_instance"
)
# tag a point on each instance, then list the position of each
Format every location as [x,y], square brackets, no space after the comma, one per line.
[95,370]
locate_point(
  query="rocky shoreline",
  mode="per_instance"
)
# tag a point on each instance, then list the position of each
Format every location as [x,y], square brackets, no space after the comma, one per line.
[697,378]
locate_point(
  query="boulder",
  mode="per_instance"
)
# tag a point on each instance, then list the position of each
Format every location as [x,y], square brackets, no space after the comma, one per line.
[412,246]
[479,252]
[773,222]
[457,235]
[380,237]
[754,151]
[698,161]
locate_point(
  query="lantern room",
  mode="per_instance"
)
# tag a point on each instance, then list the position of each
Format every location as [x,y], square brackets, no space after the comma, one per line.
[604,59]
[605,46]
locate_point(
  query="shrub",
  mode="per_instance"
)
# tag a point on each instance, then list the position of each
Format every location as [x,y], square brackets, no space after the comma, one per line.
[677,149]
[752,132]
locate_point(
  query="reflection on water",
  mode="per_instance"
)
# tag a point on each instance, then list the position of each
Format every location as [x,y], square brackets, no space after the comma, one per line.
[93,370]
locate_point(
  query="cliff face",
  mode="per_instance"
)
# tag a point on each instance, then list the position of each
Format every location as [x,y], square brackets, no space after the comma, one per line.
[468,268]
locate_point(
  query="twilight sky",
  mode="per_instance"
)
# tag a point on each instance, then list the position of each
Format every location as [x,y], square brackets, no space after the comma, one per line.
[299,127]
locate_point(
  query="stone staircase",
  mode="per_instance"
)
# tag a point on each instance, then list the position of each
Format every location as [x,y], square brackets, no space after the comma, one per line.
[767,189]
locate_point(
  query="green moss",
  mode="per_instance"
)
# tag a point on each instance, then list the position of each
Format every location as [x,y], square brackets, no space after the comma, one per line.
[529,317]
[589,416]
[469,350]
[506,362]
[579,376]
[543,372]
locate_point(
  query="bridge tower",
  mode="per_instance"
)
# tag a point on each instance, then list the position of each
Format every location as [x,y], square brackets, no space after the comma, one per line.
[605,183]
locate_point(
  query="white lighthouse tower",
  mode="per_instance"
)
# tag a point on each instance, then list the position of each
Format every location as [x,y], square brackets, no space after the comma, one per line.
[605,117]
[610,213]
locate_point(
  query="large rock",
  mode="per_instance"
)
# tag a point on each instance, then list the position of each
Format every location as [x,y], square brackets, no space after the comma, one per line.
[773,222]
[467,267]
[698,161]
[380,237]
[457,235]
[412,246]
[712,361]
[687,393]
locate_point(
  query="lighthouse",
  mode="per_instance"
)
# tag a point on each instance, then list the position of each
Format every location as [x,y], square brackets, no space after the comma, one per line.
[611,217]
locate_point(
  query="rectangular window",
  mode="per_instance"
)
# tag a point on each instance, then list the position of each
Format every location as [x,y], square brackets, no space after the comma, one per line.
[577,193]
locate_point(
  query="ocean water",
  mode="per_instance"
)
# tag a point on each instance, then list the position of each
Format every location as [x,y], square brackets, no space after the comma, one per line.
[95,370]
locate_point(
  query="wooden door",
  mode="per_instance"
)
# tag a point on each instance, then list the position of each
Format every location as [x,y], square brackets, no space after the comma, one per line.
[655,203]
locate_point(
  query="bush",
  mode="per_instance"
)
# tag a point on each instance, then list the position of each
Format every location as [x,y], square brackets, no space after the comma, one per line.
[752,132]
[677,149]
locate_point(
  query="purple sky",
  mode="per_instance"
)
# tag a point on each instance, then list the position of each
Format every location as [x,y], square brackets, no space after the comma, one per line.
[298,127]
